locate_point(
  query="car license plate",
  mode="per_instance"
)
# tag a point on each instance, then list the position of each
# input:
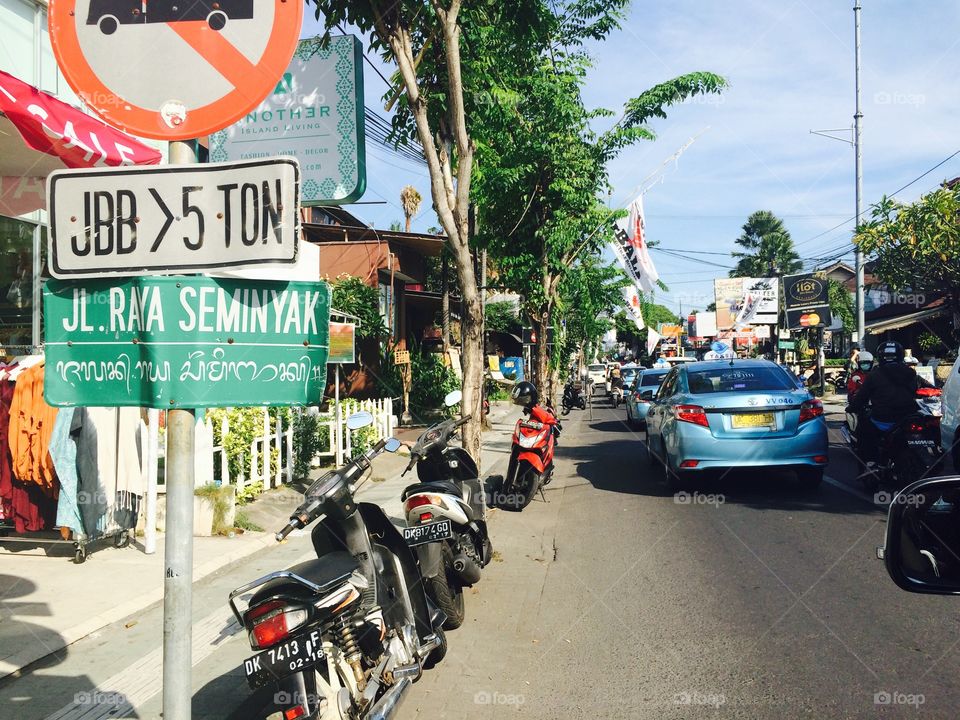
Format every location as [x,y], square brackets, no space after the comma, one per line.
[300,653]
[432,532]
[753,420]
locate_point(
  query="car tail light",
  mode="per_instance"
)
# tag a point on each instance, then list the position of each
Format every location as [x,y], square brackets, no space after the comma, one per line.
[929,392]
[272,622]
[811,409]
[820,458]
[689,464]
[692,414]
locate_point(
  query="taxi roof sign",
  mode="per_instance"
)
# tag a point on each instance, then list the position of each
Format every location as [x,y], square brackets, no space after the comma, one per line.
[173,70]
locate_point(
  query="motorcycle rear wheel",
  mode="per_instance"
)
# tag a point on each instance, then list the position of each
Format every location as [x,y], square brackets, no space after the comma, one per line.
[446,591]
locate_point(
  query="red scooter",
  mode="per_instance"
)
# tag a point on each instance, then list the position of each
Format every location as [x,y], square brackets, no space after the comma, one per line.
[531,458]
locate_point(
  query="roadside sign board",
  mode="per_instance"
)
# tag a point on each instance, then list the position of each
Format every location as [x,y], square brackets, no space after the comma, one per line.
[187,342]
[173,70]
[342,344]
[316,114]
[807,301]
[164,219]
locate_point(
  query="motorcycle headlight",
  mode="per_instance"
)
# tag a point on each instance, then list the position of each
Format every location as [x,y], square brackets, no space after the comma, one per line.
[529,441]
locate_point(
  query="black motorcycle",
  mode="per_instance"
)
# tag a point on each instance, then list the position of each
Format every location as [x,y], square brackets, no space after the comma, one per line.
[446,517]
[909,451]
[572,398]
[346,634]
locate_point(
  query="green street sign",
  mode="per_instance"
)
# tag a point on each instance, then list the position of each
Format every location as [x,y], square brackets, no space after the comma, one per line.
[185,342]
[787,345]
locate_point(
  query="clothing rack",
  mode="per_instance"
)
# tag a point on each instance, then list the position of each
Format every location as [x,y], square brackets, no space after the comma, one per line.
[104,505]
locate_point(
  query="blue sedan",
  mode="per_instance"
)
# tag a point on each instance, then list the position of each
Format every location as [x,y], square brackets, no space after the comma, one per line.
[736,414]
[641,394]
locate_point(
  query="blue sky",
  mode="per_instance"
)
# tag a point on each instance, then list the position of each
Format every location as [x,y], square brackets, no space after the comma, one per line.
[791,70]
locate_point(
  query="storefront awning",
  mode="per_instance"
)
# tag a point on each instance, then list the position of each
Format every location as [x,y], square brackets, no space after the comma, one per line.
[39,134]
[895,323]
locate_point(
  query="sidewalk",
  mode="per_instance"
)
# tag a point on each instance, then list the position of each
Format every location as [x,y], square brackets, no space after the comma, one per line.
[48,603]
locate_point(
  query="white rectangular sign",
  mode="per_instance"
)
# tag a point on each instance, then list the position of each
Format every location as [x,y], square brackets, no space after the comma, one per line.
[168,219]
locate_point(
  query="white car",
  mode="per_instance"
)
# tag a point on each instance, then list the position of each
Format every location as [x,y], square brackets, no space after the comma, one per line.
[950,422]
[597,375]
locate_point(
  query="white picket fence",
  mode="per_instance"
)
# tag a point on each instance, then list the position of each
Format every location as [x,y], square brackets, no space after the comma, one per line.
[280,439]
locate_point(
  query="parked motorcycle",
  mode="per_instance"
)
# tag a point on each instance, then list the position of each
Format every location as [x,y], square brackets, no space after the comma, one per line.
[572,398]
[910,450]
[344,635]
[446,516]
[531,458]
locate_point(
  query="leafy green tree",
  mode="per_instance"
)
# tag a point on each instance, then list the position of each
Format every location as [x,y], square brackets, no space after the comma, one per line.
[544,168]
[502,317]
[916,247]
[352,295]
[449,57]
[841,304]
[767,248]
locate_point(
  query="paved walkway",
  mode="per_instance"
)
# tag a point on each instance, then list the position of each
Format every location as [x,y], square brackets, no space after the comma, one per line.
[47,602]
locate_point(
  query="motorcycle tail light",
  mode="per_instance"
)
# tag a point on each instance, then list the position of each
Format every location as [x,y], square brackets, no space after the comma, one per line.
[811,409]
[916,427]
[929,392]
[692,414]
[426,517]
[415,501]
[294,713]
[272,622]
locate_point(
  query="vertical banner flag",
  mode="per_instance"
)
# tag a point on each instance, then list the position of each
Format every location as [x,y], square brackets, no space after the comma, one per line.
[630,248]
[632,299]
[653,339]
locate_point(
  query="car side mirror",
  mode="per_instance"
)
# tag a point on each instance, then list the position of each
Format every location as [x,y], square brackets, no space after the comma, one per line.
[922,550]
[646,395]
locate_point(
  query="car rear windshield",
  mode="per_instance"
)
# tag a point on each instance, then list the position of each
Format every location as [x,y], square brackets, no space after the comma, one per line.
[598,368]
[733,379]
[651,379]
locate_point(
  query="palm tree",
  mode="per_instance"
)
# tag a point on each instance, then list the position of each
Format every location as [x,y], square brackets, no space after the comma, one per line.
[410,199]
[768,248]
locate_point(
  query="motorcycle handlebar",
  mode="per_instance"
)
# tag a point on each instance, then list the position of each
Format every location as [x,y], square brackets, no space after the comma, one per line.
[463,421]
[413,461]
[294,524]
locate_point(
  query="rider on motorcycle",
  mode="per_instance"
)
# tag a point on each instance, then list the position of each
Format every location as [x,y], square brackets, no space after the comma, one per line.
[891,391]
[864,364]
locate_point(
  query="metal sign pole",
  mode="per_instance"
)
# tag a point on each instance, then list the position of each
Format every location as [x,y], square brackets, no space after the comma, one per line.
[178,543]
[337,418]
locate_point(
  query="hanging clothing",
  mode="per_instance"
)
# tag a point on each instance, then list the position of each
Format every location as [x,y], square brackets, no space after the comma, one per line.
[31,427]
[34,507]
[6,466]
[63,450]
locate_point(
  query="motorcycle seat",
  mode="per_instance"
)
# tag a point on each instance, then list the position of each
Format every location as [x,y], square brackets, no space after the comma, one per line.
[438,486]
[328,572]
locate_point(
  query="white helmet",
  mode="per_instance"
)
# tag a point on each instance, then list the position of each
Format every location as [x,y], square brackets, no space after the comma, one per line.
[865,358]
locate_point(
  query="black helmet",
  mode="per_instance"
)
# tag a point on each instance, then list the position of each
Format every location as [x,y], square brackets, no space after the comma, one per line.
[524,394]
[890,352]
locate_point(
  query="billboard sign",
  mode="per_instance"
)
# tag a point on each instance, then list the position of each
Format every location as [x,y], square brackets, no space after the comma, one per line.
[807,301]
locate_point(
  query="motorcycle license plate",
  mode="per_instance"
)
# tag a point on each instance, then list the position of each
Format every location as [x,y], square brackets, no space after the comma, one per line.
[432,532]
[296,654]
[921,443]
[753,420]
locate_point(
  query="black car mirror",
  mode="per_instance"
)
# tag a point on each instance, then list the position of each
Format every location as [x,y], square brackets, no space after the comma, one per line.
[922,550]
[646,395]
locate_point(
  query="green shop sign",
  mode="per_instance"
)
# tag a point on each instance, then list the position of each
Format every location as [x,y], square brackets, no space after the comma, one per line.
[185,342]
[314,114]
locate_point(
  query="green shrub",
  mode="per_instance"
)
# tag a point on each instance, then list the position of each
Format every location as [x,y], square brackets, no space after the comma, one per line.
[244,522]
[311,435]
[249,493]
[220,498]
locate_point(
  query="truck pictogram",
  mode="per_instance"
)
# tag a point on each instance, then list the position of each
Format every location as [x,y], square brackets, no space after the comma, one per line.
[109,15]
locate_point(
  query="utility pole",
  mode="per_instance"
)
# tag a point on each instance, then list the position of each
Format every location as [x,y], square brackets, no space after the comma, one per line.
[178,543]
[857,122]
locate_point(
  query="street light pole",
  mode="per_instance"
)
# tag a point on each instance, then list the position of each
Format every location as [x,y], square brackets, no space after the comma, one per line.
[857,121]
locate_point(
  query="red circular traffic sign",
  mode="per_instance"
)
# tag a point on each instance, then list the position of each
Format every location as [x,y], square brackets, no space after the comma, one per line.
[174,69]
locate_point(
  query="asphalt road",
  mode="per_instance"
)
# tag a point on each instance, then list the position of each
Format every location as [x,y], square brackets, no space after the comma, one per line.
[749,598]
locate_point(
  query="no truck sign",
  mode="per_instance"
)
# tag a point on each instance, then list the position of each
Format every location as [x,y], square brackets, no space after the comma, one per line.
[173,69]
